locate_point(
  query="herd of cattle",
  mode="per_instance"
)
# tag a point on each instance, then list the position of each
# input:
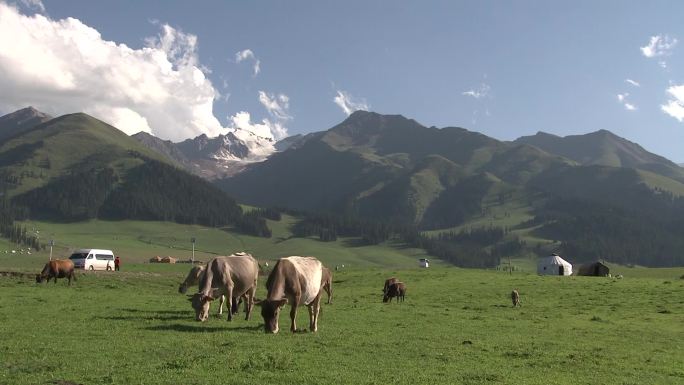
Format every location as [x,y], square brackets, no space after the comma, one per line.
[293,280]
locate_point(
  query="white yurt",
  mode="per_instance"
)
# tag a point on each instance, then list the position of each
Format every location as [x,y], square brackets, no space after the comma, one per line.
[553,265]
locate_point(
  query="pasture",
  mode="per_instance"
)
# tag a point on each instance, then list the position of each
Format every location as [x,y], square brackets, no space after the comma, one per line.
[457,326]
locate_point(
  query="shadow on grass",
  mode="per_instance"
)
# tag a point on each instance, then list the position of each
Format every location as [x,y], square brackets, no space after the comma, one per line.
[187,328]
[205,329]
[355,242]
[186,316]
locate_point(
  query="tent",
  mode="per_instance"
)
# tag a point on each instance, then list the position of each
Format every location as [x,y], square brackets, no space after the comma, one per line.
[553,265]
[596,269]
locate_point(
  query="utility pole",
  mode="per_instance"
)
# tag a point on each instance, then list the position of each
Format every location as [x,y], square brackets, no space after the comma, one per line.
[510,267]
[193,249]
[52,243]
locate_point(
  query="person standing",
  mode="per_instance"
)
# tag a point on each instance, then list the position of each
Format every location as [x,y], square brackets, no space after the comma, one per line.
[117,263]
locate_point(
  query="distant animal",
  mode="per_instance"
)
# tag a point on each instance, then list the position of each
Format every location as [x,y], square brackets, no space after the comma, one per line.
[233,276]
[297,281]
[193,278]
[619,276]
[58,268]
[326,281]
[515,297]
[395,289]
[388,282]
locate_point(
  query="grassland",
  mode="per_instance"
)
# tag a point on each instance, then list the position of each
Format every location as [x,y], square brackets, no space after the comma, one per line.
[138,241]
[457,326]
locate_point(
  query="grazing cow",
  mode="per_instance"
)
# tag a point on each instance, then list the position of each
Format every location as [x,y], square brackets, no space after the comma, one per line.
[193,278]
[297,281]
[58,268]
[395,289]
[515,297]
[232,276]
[388,282]
[327,283]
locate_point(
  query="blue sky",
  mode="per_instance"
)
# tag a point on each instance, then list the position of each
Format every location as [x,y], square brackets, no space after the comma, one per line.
[506,69]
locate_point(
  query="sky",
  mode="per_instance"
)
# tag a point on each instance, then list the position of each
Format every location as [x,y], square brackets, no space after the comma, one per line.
[277,68]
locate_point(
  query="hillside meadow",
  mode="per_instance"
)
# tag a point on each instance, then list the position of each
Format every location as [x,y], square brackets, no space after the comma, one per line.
[457,326]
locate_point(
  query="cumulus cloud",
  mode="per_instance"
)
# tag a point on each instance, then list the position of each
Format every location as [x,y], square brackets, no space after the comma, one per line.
[278,106]
[482,91]
[247,54]
[64,66]
[675,106]
[349,103]
[266,129]
[633,82]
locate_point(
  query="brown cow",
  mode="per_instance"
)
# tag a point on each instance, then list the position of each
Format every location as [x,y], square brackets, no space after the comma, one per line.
[58,268]
[193,278]
[396,289]
[515,297]
[388,282]
[327,283]
[232,276]
[297,281]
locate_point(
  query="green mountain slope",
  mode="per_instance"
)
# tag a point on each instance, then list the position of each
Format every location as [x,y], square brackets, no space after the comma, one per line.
[76,167]
[603,148]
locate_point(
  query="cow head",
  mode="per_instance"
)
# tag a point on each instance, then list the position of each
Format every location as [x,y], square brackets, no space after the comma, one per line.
[270,310]
[39,278]
[182,288]
[200,302]
[385,297]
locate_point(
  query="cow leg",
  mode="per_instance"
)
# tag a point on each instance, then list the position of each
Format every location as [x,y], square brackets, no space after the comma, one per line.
[222,300]
[328,289]
[249,304]
[229,298]
[314,310]
[293,316]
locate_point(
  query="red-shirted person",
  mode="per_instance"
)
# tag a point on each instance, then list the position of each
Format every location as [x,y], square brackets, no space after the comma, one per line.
[117,263]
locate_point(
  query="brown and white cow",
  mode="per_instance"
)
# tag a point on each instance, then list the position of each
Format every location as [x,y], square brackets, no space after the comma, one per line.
[297,281]
[395,289]
[58,268]
[326,281]
[233,276]
[388,282]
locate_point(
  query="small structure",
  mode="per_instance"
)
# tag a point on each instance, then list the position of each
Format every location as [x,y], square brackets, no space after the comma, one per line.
[553,265]
[424,262]
[595,269]
[168,260]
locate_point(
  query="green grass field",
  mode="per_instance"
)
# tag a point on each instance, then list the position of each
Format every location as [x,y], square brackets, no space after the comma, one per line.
[138,241]
[457,326]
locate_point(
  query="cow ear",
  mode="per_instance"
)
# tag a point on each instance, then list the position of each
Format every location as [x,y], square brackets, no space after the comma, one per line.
[258,302]
[281,302]
[207,298]
[190,298]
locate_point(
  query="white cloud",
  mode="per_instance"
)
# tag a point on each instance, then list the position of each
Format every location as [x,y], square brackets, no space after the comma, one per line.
[36,5]
[266,129]
[349,103]
[675,106]
[622,99]
[65,66]
[633,82]
[247,54]
[278,106]
[478,93]
[658,46]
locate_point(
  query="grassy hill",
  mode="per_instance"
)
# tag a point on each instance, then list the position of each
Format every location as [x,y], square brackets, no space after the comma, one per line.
[137,241]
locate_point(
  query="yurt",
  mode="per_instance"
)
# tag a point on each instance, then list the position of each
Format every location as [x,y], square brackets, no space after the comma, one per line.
[553,265]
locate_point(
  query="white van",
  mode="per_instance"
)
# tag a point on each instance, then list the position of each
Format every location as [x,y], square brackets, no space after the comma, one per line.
[93,259]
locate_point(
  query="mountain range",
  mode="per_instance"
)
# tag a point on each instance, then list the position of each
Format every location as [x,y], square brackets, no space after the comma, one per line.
[594,195]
